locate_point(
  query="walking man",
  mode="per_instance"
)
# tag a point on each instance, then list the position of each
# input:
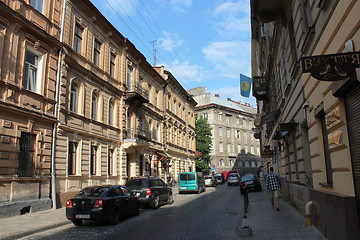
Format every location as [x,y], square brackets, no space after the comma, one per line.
[273,185]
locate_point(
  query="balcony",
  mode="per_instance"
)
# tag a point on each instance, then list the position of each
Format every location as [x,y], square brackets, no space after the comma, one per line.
[260,88]
[136,95]
[268,11]
[136,138]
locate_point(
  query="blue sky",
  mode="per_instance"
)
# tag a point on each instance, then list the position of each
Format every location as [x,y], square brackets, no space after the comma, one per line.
[203,43]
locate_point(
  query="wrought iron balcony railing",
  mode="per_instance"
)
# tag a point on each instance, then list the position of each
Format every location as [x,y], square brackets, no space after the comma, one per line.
[134,133]
[137,94]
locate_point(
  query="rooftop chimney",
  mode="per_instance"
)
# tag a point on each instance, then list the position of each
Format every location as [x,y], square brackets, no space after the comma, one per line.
[217,95]
[229,99]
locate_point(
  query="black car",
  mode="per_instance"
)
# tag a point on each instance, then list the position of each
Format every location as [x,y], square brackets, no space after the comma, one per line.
[102,203]
[251,182]
[151,191]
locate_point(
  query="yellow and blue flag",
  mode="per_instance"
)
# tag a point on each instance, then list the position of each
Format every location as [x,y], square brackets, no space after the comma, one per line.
[245,85]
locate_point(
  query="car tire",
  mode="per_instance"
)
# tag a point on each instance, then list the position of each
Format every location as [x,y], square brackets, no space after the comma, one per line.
[114,217]
[77,222]
[156,204]
[170,199]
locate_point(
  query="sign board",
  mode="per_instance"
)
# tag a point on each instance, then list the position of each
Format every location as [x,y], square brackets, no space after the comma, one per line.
[332,67]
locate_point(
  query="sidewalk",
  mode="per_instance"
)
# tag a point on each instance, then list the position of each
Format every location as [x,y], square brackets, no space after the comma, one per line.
[24,225]
[263,222]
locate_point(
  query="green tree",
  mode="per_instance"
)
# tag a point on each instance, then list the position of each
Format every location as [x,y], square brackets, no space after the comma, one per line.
[203,142]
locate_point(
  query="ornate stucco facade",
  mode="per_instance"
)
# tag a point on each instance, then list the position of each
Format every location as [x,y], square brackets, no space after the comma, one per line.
[90,86]
[310,125]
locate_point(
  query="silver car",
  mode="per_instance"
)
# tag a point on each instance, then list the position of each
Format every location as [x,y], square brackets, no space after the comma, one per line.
[210,181]
[233,179]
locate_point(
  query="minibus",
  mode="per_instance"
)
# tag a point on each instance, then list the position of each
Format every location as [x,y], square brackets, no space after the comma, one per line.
[191,182]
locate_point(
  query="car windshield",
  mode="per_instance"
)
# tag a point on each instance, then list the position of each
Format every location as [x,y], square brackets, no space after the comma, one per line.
[91,192]
[233,175]
[217,177]
[136,183]
[208,177]
[247,178]
[187,176]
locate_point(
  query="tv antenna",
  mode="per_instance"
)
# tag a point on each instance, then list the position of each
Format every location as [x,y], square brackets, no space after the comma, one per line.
[154,53]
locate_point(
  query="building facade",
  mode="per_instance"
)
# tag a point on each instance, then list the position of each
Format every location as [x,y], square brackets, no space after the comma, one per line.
[308,124]
[80,106]
[233,144]
[29,45]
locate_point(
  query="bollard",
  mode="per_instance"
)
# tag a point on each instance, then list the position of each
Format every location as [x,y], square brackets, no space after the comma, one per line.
[246,200]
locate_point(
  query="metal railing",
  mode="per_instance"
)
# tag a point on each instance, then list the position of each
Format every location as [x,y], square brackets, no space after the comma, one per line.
[135,133]
[137,88]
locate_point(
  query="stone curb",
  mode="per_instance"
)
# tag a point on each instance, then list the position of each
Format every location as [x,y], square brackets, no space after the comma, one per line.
[37,230]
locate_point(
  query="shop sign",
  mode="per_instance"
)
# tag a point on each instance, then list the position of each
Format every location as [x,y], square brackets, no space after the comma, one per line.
[332,67]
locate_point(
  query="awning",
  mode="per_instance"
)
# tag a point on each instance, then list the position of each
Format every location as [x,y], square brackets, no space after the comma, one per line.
[162,156]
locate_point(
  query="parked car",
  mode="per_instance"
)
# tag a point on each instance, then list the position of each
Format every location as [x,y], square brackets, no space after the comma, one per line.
[151,191]
[191,182]
[102,203]
[210,181]
[251,182]
[219,178]
[233,179]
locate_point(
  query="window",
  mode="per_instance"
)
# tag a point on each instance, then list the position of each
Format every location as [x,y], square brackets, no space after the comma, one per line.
[244,121]
[130,77]
[245,136]
[74,96]
[229,147]
[246,163]
[149,88]
[110,162]
[93,159]
[250,122]
[239,148]
[26,155]
[258,151]
[111,112]
[221,163]
[307,14]
[237,133]
[94,103]
[231,163]
[174,107]
[219,116]
[97,46]
[179,109]
[227,118]
[78,38]
[221,149]
[237,120]
[253,164]
[37,4]
[252,149]
[169,101]
[220,131]
[32,70]
[112,64]
[246,149]
[228,132]
[156,98]
[72,159]
[251,137]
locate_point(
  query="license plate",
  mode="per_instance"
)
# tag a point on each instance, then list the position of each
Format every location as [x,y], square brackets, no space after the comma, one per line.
[83,216]
[138,194]
[183,188]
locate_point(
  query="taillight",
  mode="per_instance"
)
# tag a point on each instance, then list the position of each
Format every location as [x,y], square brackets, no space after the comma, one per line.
[69,204]
[148,192]
[99,203]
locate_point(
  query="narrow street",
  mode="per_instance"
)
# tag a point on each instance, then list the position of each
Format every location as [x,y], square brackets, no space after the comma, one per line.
[215,214]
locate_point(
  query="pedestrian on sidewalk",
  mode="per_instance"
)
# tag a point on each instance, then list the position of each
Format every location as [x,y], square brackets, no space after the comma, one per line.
[273,185]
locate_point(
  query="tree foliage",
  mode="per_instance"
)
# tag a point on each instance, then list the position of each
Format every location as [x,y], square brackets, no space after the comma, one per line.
[203,141]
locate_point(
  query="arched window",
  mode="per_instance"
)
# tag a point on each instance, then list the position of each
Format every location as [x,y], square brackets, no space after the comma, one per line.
[231,163]
[253,164]
[74,97]
[111,112]
[246,163]
[258,163]
[94,106]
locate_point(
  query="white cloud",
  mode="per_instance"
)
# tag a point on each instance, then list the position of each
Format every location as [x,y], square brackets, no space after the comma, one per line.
[231,9]
[185,72]
[229,58]
[180,5]
[170,41]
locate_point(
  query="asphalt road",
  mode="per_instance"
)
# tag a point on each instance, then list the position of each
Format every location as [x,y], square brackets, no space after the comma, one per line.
[214,214]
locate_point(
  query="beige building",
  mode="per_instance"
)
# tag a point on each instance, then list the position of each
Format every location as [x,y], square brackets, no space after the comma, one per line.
[233,144]
[106,105]
[29,45]
[309,120]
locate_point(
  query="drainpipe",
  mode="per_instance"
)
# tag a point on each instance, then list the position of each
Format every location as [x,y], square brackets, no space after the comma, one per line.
[58,76]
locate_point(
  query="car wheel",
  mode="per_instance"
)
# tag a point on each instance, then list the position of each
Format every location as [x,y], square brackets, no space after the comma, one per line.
[156,202]
[170,199]
[77,222]
[114,218]
[199,190]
